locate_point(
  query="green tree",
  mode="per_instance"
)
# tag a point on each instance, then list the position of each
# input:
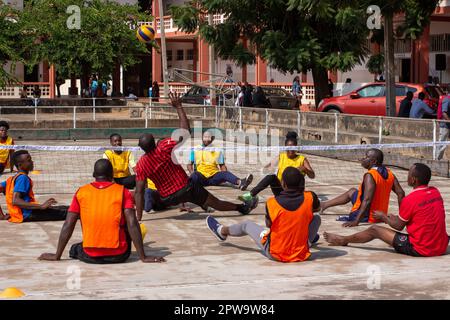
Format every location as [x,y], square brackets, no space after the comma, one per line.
[295,35]
[9,48]
[103,39]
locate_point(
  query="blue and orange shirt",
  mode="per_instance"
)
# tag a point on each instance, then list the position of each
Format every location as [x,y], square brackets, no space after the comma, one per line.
[24,185]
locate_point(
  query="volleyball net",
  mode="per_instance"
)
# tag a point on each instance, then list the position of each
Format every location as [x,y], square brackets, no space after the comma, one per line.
[62,169]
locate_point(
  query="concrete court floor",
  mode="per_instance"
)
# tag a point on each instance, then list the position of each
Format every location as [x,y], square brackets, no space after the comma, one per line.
[199,267]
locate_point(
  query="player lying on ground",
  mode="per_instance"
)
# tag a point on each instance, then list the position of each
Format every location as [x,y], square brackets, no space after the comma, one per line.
[210,168]
[290,217]
[5,154]
[122,162]
[172,182]
[423,214]
[108,222]
[373,193]
[290,158]
[22,206]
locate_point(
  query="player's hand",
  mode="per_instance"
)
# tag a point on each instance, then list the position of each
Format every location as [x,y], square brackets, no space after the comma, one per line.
[175,99]
[48,257]
[47,204]
[152,259]
[379,215]
[350,224]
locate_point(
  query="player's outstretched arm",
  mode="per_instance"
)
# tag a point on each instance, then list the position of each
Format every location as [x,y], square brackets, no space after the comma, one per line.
[64,237]
[136,237]
[175,100]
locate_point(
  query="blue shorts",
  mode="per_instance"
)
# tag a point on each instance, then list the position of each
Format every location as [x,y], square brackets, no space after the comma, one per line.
[354,214]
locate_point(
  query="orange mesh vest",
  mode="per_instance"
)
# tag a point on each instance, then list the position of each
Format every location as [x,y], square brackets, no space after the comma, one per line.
[380,201]
[289,231]
[100,214]
[15,212]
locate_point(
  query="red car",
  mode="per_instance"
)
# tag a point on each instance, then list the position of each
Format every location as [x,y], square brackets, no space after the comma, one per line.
[371,99]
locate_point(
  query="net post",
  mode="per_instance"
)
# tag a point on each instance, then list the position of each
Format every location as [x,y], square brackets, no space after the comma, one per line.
[74,117]
[240,118]
[267,120]
[335,128]
[146,116]
[93,108]
[35,110]
[380,129]
[299,118]
[434,138]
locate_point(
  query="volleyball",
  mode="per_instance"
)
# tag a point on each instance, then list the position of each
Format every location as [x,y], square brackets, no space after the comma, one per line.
[143,230]
[145,33]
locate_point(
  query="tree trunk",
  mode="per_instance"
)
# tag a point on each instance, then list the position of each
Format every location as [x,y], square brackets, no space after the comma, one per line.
[389,59]
[320,77]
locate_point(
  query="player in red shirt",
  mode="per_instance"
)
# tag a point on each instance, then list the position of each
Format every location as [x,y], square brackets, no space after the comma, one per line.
[422,212]
[108,219]
[172,182]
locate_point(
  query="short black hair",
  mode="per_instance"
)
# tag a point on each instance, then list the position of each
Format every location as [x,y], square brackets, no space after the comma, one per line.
[293,178]
[422,95]
[16,155]
[115,135]
[422,173]
[147,142]
[103,168]
[410,94]
[291,136]
[4,124]
[379,156]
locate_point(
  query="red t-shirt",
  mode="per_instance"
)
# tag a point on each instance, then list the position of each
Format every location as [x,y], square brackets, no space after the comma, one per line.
[423,210]
[128,203]
[158,166]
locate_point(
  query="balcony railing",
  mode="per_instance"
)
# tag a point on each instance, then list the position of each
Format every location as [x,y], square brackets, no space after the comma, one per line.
[13,91]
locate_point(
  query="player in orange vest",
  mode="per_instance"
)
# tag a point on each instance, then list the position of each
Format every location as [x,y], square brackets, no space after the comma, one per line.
[422,212]
[372,195]
[291,223]
[20,200]
[108,222]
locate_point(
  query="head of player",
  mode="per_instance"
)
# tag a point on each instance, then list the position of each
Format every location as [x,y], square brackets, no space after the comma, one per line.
[207,138]
[373,157]
[22,160]
[4,127]
[291,141]
[293,179]
[147,142]
[103,170]
[116,141]
[419,175]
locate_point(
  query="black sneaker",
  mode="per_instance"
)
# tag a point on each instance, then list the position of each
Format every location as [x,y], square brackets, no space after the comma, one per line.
[214,226]
[246,182]
[249,205]
[316,239]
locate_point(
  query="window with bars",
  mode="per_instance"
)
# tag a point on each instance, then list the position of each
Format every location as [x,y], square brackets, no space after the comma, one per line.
[180,55]
[169,55]
[440,42]
[190,54]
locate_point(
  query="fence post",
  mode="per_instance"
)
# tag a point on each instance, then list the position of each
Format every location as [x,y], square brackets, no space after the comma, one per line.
[380,129]
[204,112]
[216,116]
[336,126]
[93,110]
[267,120]
[240,118]
[146,117]
[74,117]
[434,139]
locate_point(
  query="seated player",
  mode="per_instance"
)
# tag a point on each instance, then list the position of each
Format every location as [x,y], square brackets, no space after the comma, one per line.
[290,158]
[108,222]
[121,161]
[207,164]
[373,193]
[22,206]
[152,199]
[290,218]
[423,214]
[5,154]
[170,179]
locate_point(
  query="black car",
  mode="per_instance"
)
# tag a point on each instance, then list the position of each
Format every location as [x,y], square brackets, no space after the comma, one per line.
[201,95]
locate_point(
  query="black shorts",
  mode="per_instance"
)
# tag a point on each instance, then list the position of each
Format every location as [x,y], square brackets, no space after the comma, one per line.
[193,192]
[128,182]
[403,246]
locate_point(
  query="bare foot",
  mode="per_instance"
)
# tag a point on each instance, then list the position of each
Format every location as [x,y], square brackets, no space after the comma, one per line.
[334,239]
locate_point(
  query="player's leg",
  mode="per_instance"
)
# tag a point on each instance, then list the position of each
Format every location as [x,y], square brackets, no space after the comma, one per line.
[346,197]
[55,213]
[374,232]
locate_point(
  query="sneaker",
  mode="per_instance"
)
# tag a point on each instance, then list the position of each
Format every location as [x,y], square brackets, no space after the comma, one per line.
[245,197]
[246,182]
[343,218]
[214,226]
[249,205]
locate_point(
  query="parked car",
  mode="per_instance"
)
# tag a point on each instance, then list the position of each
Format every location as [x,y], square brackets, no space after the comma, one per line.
[371,99]
[279,98]
[201,95]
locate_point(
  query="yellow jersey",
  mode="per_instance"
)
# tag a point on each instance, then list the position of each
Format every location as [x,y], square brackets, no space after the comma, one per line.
[284,161]
[207,162]
[4,153]
[120,163]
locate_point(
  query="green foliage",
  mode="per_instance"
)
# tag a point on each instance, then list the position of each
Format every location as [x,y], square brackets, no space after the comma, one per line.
[375,64]
[9,49]
[104,38]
